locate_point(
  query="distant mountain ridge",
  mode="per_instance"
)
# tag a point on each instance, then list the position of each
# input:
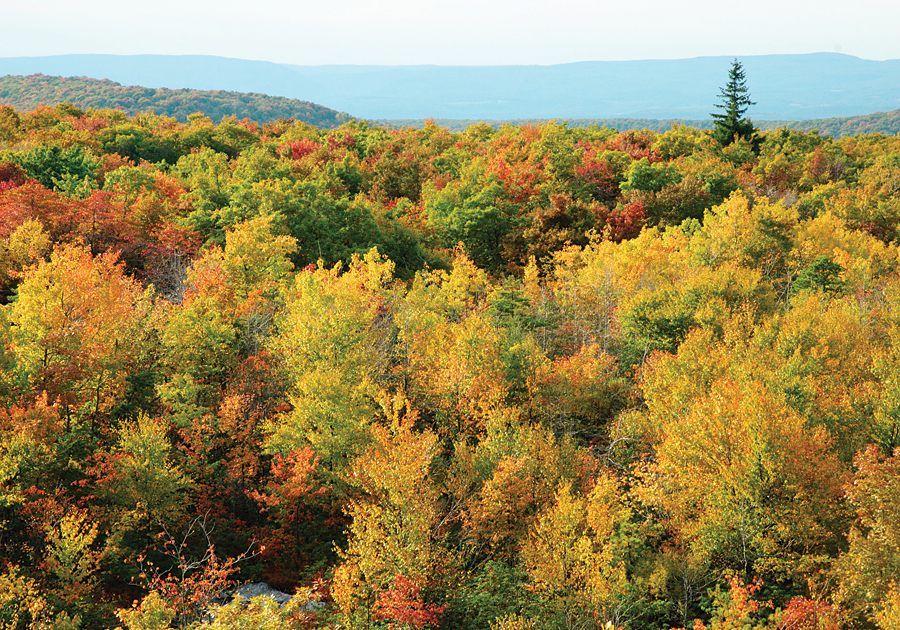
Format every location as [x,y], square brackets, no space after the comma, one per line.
[27,92]
[785,87]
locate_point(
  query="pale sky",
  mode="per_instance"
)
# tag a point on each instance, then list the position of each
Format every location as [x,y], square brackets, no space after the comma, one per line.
[451,32]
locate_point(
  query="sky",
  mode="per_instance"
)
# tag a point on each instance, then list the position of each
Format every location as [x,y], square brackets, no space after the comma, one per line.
[451,32]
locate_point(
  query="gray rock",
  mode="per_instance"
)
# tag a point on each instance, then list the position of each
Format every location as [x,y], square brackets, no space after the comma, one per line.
[249,591]
[261,589]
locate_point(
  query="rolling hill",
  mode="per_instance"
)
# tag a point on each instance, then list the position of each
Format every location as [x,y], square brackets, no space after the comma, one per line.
[27,92]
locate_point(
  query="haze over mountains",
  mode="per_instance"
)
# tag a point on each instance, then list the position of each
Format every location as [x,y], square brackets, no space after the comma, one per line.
[785,87]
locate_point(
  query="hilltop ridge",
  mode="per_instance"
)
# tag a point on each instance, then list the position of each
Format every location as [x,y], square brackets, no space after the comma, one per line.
[27,92]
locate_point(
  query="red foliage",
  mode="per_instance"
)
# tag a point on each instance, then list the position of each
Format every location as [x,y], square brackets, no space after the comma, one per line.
[89,124]
[100,221]
[346,142]
[737,608]
[299,149]
[520,182]
[103,226]
[249,125]
[802,613]
[191,584]
[291,500]
[623,222]
[10,175]
[596,175]
[293,480]
[30,200]
[403,606]
[634,143]
[40,421]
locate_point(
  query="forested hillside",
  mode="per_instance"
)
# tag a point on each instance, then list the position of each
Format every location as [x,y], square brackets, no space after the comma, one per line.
[27,92]
[887,123]
[534,377]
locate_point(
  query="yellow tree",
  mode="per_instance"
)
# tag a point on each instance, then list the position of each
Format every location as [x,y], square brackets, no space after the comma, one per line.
[21,249]
[394,539]
[870,568]
[334,341]
[72,558]
[78,328]
[745,483]
[458,371]
[585,558]
[502,485]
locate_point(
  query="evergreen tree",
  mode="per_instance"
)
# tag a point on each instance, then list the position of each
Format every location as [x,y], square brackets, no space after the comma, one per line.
[736,101]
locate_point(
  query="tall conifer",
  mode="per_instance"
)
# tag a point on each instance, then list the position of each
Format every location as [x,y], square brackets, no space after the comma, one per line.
[735,101]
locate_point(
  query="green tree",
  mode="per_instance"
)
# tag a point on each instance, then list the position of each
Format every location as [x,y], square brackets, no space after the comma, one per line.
[56,167]
[735,102]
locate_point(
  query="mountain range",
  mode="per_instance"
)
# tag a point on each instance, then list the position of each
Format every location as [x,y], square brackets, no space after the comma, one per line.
[784,87]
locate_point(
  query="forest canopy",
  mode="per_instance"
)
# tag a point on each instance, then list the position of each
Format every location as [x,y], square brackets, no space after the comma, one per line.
[530,377]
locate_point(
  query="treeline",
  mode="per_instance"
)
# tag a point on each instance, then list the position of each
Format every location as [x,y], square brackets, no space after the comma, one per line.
[620,124]
[534,377]
[26,93]
[886,123]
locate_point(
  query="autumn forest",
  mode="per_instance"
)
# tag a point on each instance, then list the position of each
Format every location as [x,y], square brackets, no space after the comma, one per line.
[496,379]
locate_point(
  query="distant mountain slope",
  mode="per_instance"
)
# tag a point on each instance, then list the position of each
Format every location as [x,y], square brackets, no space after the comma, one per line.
[27,92]
[785,87]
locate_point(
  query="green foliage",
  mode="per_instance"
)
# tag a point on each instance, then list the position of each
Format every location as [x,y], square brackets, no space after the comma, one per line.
[468,213]
[647,177]
[56,167]
[207,174]
[326,228]
[139,144]
[493,592]
[822,275]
